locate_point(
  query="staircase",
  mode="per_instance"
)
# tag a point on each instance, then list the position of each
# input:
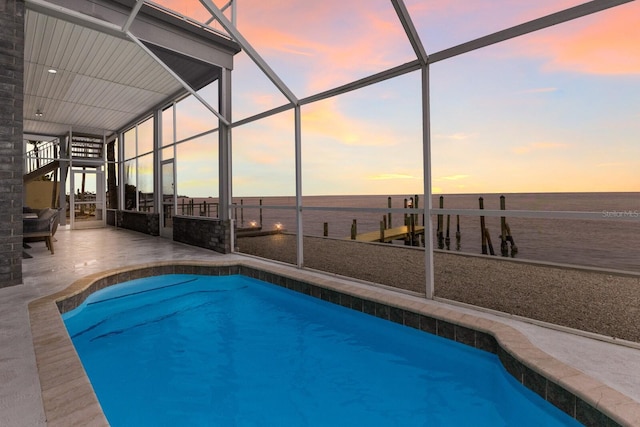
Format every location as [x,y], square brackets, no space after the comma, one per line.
[42,159]
[45,156]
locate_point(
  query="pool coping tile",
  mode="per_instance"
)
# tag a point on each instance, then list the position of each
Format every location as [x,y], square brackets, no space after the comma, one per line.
[69,399]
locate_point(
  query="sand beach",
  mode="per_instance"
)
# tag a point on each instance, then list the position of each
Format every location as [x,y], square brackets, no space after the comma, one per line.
[597,301]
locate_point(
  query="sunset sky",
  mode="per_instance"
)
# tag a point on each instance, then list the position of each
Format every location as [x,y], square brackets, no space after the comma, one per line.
[553,111]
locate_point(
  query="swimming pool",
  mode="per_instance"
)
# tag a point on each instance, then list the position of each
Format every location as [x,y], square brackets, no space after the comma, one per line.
[231,350]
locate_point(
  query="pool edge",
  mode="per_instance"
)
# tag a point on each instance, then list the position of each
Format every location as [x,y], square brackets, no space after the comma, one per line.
[67,394]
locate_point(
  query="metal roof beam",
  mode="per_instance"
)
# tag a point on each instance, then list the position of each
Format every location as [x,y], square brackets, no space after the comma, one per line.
[132,16]
[528,27]
[365,81]
[410,30]
[246,46]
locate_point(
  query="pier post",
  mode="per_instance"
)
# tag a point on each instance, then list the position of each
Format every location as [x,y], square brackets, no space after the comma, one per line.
[406,204]
[514,248]
[260,213]
[389,206]
[382,228]
[441,225]
[325,229]
[458,236]
[488,236]
[504,250]
[412,230]
[354,229]
[447,240]
[482,228]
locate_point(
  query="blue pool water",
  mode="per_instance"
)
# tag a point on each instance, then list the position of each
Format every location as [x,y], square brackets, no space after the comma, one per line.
[233,351]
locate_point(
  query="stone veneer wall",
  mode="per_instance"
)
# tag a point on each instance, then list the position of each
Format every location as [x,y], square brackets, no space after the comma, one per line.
[111,217]
[210,233]
[549,390]
[147,223]
[11,163]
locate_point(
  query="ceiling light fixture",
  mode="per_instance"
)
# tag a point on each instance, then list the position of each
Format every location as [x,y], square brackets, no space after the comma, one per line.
[39,113]
[52,71]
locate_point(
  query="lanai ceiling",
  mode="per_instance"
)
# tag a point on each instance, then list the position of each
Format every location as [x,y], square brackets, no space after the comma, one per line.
[104,81]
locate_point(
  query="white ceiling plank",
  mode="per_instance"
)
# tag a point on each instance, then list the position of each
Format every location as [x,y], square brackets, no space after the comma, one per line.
[102,81]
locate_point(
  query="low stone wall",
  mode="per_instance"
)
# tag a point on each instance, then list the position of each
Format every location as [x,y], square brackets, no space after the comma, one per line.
[147,223]
[210,233]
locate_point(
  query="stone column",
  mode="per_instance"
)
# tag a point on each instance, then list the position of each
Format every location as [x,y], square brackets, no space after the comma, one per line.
[11,160]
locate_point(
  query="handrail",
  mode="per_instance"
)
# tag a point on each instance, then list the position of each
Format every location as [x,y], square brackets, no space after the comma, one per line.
[42,154]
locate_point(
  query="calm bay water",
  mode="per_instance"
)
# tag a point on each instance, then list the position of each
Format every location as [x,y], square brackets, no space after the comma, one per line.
[608,243]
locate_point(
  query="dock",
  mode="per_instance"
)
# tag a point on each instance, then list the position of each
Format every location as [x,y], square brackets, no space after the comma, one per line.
[389,234]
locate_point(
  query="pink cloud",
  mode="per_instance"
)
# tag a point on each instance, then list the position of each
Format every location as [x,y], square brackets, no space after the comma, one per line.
[328,43]
[325,120]
[605,43]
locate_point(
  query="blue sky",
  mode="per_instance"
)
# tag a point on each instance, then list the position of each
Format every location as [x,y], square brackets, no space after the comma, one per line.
[558,110]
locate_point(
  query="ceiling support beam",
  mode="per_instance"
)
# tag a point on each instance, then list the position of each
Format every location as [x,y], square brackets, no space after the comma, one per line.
[177,77]
[132,16]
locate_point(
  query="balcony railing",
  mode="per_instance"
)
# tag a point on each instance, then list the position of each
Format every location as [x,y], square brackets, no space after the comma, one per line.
[41,155]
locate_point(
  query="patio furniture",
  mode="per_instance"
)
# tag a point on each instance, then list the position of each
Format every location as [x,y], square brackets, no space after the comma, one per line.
[41,227]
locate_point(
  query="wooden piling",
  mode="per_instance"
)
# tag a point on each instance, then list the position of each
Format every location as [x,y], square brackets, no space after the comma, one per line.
[504,250]
[447,240]
[389,206]
[354,229]
[483,230]
[412,231]
[325,231]
[458,236]
[441,225]
[514,248]
[406,204]
[260,213]
[382,228]
[488,237]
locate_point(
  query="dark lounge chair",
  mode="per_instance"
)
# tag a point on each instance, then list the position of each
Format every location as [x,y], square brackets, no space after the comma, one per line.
[42,227]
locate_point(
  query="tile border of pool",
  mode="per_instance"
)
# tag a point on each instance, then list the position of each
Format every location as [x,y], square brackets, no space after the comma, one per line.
[68,397]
